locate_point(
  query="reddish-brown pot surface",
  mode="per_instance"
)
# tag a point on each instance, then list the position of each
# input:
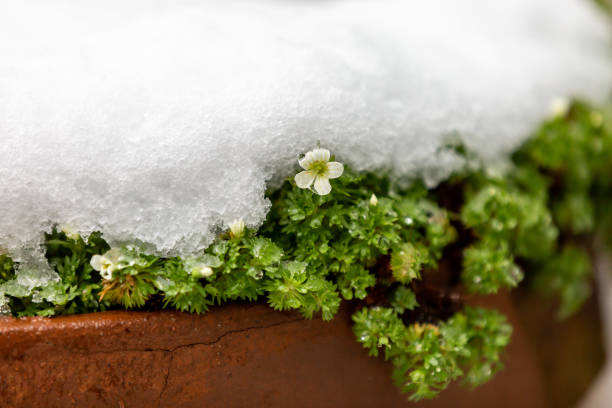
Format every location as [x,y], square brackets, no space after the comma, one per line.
[232,356]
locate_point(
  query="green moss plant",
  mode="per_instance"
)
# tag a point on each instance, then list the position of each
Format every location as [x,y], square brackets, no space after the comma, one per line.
[335,235]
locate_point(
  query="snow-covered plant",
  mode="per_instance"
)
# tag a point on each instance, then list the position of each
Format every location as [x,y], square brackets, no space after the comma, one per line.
[373,243]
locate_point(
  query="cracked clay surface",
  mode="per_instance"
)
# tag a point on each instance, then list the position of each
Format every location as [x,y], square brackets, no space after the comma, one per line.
[233,356]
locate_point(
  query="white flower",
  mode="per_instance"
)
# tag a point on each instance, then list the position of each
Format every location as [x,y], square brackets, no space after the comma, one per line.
[116,259]
[318,170]
[107,263]
[373,200]
[237,228]
[559,107]
[200,270]
[201,266]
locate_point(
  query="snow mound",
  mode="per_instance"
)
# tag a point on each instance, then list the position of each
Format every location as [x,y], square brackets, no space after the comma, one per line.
[159,122]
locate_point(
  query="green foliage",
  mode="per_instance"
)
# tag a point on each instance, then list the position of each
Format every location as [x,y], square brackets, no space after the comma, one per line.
[489,266]
[406,262]
[568,275]
[7,268]
[494,211]
[561,183]
[606,5]
[500,212]
[332,233]
[371,242]
[76,290]
[426,358]
[131,281]
[507,222]
[572,154]
[292,287]
[181,287]
[338,237]
[487,332]
[378,327]
[429,223]
[355,281]
[403,299]
[244,262]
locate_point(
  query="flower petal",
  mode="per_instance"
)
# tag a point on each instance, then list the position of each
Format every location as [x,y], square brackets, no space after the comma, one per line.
[322,186]
[304,179]
[334,170]
[96,262]
[321,155]
[106,274]
[201,271]
[237,228]
[307,160]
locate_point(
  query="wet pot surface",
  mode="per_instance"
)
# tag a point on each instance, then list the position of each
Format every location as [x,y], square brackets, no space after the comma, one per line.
[232,356]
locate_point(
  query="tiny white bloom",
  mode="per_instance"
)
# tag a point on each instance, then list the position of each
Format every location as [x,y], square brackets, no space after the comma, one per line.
[201,266]
[317,171]
[237,228]
[559,107]
[97,262]
[107,263]
[373,200]
[201,271]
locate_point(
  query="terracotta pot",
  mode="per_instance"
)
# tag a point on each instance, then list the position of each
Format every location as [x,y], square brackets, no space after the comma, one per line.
[233,356]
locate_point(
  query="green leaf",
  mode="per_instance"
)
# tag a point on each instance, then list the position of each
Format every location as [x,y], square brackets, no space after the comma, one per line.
[407,261]
[489,266]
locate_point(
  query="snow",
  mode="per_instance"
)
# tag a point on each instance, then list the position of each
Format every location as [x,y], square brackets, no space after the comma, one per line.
[159,122]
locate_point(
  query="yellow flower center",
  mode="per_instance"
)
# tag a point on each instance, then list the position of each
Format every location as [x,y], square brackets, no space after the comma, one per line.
[319,168]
